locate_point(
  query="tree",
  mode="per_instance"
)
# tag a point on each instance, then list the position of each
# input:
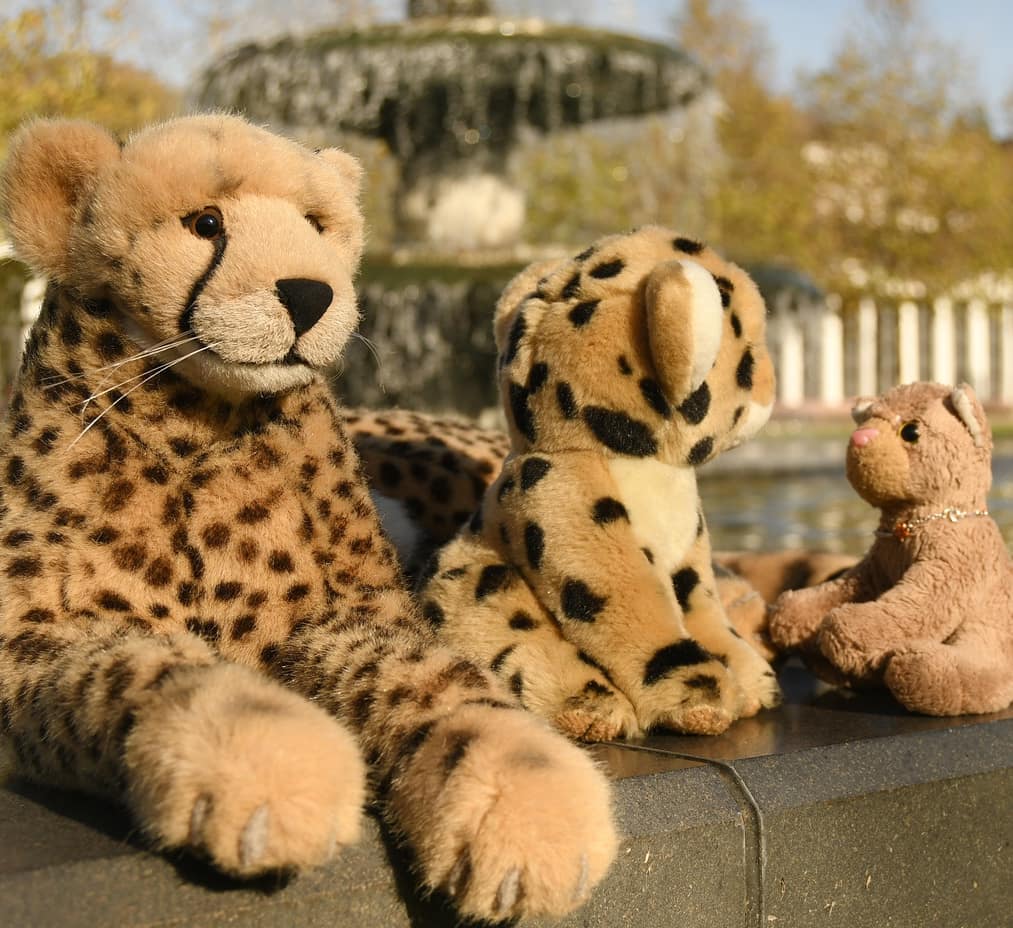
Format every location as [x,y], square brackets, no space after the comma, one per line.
[761,195]
[49,68]
[909,184]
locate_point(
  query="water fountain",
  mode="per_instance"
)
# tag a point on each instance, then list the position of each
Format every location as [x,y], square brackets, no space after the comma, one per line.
[453,92]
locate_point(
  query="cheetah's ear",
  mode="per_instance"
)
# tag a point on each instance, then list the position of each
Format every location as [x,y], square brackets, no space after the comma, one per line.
[347,166]
[513,298]
[51,169]
[684,324]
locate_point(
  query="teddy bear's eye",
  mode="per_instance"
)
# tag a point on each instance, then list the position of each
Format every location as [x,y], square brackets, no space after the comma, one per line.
[315,222]
[909,432]
[205,223]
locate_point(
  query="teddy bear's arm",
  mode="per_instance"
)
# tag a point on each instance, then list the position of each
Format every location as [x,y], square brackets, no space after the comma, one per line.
[926,604]
[796,615]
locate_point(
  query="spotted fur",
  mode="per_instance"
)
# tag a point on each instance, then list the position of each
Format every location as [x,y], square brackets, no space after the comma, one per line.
[200,615]
[621,371]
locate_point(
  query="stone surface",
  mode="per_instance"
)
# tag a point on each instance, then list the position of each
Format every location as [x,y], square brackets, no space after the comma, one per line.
[835,809]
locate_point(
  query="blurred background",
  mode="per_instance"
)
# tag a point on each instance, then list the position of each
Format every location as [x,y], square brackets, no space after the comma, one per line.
[856,157]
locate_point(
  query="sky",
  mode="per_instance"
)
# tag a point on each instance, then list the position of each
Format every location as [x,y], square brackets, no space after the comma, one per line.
[804,34]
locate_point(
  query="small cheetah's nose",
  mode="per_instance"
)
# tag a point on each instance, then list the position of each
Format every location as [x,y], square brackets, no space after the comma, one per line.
[305,300]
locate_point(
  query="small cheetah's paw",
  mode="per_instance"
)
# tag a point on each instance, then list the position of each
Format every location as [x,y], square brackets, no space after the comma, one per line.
[701,700]
[506,816]
[231,765]
[597,713]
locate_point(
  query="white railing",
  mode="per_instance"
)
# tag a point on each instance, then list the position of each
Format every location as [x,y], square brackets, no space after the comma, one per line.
[827,351]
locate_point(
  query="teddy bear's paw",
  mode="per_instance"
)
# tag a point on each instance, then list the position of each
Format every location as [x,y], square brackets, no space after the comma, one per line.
[597,713]
[950,679]
[505,816]
[790,624]
[844,640]
[235,767]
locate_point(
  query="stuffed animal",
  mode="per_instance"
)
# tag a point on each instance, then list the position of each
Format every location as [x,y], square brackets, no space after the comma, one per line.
[200,616]
[585,578]
[928,612]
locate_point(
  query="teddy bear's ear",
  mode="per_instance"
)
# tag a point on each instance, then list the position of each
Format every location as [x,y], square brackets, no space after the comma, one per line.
[348,167]
[860,411]
[970,411]
[684,324]
[50,172]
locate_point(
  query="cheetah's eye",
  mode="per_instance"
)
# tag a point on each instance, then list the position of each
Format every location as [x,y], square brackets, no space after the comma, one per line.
[206,223]
[909,432]
[315,222]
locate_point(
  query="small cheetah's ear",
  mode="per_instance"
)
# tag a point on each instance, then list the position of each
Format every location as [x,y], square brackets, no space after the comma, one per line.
[348,167]
[685,319]
[51,170]
[513,297]
[970,411]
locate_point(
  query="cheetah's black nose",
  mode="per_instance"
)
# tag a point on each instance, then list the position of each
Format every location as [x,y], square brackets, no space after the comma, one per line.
[305,300]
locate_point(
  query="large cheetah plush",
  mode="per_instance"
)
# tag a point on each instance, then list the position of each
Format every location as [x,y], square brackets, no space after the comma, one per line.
[585,578]
[200,616]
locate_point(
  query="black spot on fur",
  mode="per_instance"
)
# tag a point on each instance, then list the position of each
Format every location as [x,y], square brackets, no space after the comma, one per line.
[580,603]
[705,682]
[521,411]
[514,338]
[493,579]
[618,431]
[109,345]
[433,613]
[700,452]
[537,377]
[695,407]
[744,372]
[688,246]
[533,470]
[458,743]
[517,685]
[736,325]
[607,509]
[441,489]
[649,554]
[684,653]
[390,473]
[684,582]
[534,544]
[652,392]
[609,269]
[581,313]
[624,366]
[500,659]
[739,410]
[566,401]
[572,288]
[522,622]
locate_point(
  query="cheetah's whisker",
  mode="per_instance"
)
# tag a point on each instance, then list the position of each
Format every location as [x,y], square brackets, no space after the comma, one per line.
[148,353]
[157,348]
[153,374]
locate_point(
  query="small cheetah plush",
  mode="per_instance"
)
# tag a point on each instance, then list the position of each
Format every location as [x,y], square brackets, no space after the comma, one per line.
[585,579]
[200,616]
[928,612]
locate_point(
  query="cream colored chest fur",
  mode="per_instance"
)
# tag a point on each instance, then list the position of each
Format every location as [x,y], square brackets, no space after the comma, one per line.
[662,503]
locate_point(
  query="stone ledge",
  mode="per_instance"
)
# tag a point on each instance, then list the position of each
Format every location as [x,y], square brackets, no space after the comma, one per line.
[830,810]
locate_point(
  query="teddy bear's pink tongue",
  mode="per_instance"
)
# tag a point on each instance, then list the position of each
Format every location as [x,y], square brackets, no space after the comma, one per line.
[861,437]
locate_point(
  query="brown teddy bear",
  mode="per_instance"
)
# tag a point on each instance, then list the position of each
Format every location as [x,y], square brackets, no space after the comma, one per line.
[929,611]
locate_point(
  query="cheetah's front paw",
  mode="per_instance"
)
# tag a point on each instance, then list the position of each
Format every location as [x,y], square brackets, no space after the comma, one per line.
[506,816]
[236,767]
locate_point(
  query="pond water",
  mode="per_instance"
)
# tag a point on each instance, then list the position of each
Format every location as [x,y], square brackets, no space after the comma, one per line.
[815,509]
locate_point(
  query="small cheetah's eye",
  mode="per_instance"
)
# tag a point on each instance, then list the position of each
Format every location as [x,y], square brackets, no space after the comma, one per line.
[315,222]
[205,223]
[909,432]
